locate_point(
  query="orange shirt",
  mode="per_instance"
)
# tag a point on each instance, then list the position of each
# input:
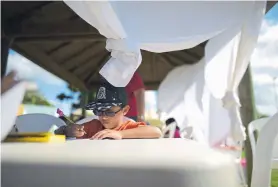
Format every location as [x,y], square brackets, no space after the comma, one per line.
[94,126]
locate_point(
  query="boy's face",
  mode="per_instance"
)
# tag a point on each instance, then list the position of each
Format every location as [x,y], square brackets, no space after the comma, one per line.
[111,122]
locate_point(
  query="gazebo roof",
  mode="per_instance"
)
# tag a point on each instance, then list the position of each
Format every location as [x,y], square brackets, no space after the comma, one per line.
[54,37]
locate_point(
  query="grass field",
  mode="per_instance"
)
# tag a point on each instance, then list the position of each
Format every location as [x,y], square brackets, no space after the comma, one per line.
[274,178]
[154,122]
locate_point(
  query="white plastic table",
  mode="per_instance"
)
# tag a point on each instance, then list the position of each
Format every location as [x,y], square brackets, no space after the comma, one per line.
[116,163]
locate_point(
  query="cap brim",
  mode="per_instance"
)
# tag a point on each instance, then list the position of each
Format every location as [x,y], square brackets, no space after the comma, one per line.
[100,106]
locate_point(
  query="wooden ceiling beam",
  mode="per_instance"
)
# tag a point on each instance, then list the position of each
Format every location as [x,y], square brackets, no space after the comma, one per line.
[72,66]
[195,52]
[43,60]
[77,26]
[99,66]
[198,50]
[74,55]
[269,5]
[182,57]
[72,62]
[56,49]
[18,19]
[166,58]
[61,38]
[154,64]
[151,85]
[67,28]
[88,66]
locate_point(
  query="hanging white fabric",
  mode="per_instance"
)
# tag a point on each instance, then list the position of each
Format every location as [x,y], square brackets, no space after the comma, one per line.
[174,26]
[230,51]
[126,56]
[184,96]
[231,27]
[180,96]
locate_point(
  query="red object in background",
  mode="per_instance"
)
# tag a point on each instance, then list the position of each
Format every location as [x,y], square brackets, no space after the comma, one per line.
[135,83]
[177,134]
[60,112]
[243,162]
[63,117]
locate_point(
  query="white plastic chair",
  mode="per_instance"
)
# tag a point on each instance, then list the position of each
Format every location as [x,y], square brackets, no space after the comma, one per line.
[258,125]
[187,132]
[37,123]
[263,151]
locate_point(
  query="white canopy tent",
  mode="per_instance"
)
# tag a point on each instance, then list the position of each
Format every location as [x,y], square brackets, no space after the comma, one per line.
[232,29]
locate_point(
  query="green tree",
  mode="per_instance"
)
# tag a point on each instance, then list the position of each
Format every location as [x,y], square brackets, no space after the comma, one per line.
[35,98]
[261,115]
[83,97]
[62,96]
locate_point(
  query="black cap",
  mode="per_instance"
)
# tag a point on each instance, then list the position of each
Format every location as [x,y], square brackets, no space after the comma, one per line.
[108,96]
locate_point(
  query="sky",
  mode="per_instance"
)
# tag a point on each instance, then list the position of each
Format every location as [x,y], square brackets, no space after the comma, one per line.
[264,66]
[48,84]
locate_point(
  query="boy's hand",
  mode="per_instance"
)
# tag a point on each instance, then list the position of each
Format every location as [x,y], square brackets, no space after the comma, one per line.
[107,133]
[75,130]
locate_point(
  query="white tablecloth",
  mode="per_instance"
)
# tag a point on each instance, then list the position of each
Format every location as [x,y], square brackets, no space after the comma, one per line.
[113,163]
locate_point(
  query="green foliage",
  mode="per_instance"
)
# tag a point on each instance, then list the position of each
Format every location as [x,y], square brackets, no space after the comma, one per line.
[90,96]
[261,115]
[73,89]
[35,98]
[274,178]
[63,97]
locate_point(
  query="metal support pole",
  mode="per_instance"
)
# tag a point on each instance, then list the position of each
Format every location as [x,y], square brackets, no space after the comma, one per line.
[5,46]
[247,115]
[84,102]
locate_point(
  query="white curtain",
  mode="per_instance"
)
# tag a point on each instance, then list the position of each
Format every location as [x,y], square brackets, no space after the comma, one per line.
[230,53]
[181,96]
[231,27]
[184,96]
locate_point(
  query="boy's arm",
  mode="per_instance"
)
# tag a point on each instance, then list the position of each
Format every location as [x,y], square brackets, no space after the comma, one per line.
[73,130]
[85,130]
[61,130]
[141,132]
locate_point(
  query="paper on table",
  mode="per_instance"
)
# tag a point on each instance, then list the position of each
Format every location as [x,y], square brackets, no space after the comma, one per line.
[10,101]
[53,128]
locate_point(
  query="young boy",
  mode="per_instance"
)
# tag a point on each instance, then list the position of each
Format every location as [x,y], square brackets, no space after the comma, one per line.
[111,107]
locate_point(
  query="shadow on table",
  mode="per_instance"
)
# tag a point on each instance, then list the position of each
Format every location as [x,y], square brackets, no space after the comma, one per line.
[74,176]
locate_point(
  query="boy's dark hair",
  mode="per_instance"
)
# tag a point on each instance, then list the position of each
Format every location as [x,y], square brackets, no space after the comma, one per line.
[169,121]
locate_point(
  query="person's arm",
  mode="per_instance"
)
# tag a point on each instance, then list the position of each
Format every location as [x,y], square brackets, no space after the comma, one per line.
[140,103]
[141,132]
[85,130]
[73,130]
